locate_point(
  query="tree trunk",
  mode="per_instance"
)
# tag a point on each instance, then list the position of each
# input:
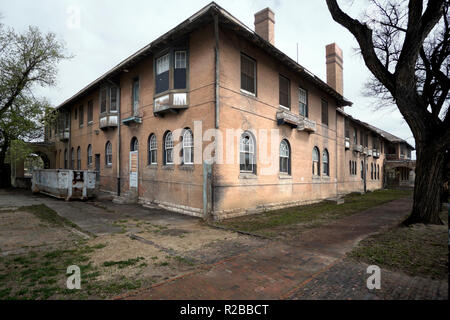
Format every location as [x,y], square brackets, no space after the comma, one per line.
[430,165]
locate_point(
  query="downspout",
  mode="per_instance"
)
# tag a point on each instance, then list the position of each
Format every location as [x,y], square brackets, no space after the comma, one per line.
[118,137]
[336,152]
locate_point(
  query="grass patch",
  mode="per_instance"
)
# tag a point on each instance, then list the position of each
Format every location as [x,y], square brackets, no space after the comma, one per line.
[124,263]
[312,215]
[418,250]
[42,275]
[50,216]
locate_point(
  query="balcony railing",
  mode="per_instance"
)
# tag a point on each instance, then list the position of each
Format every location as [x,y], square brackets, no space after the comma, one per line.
[63,135]
[357,148]
[288,118]
[107,120]
[306,124]
[171,102]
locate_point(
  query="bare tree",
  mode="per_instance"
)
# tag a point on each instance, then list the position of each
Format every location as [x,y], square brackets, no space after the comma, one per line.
[406,47]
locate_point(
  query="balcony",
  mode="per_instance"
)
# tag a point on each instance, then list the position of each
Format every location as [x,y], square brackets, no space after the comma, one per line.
[369,152]
[172,102]
[307,125]
[365,151]
[288,118]
[357,148]
[375,153]
[347,143]
[63,135]
[108,120]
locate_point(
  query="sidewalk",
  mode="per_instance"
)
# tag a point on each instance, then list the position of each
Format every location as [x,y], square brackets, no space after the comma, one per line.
[279,270]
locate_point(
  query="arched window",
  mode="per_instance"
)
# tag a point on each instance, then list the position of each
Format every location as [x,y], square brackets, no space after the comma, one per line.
[378,171]
[371,171]
[108,154]
[247,153]
[168,148]
[350,166]
[315,162]
[89,155]
[285,157]
[326,164]
[188,147]
[79,158]
[72,158]
[362,170]
[65,158]
[134,144]
[152,149]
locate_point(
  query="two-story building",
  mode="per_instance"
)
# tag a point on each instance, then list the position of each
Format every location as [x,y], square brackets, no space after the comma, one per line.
[213,89]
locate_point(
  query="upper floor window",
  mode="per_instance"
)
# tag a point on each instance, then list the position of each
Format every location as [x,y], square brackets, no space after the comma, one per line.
[152,149]
[179,72]
[324,112]
[188,147]
[285,157]
[135,96]
[316,162]
[326,164]
[108,154]
[81,115]
[247,153]
[89,155]
[284,92]
[171,70]
[248,74]
[168,148]
[162,73]
[303,102]
[78,158]
[355,136]
[103,99]
[114,93]
[90,112]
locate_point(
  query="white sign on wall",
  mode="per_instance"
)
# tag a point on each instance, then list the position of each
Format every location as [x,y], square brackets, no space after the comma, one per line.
[134,169]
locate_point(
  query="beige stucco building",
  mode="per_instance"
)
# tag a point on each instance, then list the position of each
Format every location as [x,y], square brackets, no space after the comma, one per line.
[279,134]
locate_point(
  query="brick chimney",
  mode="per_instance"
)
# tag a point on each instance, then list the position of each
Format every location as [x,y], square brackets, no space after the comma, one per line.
[335,66]
[265,24]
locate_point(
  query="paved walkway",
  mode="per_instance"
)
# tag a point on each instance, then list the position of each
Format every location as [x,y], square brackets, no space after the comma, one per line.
[284,271]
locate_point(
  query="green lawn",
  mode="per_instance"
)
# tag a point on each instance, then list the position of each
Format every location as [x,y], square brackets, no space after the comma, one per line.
[312,215]
[417,250]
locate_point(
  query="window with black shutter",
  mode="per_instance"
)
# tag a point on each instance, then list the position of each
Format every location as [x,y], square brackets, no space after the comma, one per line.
[324,112]
[179,72]
[248,74]
[90,111]
[162,73]
[284,92]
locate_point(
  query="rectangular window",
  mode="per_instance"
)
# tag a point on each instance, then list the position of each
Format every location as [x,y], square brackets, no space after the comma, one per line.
[103,99]
[90,111]
[303,102]
[114,92]
[179,73]
[162,73]
[324,112]
[284,87]
[248,74]
[135,96]
[81,114]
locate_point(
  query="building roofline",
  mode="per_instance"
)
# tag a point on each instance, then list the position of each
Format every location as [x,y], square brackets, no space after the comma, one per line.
[188,25]
[384,134]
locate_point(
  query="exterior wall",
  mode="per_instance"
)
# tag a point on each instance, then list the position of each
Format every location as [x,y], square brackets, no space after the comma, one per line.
[180,187]
[235,193]
[177,187]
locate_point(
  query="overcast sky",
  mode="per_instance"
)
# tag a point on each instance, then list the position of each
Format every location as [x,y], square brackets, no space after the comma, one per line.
[109,31]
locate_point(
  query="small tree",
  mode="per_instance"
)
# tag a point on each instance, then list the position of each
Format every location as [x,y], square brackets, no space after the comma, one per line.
[27,61]
[406,48]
